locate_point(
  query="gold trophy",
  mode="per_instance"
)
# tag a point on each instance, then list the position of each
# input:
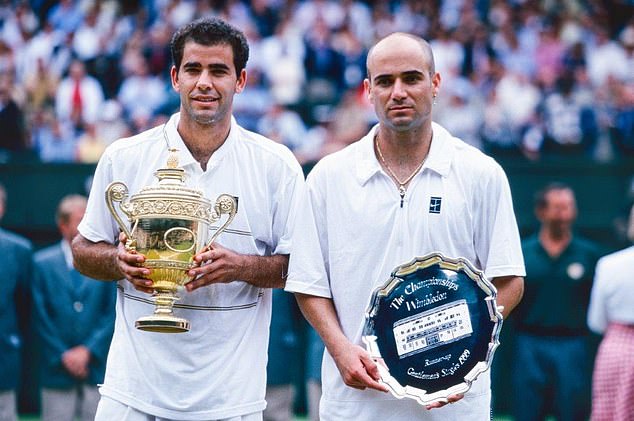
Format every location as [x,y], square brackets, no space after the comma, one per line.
[169,224]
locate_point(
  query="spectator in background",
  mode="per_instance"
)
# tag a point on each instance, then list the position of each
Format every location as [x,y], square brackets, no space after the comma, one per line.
[622,128]
[79,97]
[111,125]
[40,87]
[286,49]
[325,66]
[500,136]
[548,55]
[14,139]
[570,124]
[89,40]
[90,145]
[606,59]
[7,58]
[74,317]
[461,112]
[66,16]
[611,314]
[282,125]
[53,141]
[252,104]
[553,353]
[141,90]
[15,261]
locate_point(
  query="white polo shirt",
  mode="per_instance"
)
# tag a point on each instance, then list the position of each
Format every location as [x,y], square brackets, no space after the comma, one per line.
[459,204]
[217,369]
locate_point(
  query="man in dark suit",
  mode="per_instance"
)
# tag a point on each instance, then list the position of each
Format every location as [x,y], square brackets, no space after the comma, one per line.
[75,321]
[15,264]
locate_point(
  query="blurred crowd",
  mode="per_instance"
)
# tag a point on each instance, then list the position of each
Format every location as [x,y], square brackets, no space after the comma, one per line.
[521,78]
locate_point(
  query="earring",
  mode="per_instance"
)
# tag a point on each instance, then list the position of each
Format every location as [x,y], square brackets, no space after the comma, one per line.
[434,103]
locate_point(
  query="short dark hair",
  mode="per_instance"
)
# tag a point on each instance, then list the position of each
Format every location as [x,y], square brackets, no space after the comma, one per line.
[540,197]
[211,31]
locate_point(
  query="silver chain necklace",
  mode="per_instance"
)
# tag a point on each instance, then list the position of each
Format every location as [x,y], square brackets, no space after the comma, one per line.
[402,185]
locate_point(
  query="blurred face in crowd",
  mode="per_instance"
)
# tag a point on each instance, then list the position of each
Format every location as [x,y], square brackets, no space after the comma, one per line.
[402,82]
[559,211]
[206,82]
[69,216]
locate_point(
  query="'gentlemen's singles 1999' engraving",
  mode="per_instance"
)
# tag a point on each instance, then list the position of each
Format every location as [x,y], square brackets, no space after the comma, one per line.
[439,326]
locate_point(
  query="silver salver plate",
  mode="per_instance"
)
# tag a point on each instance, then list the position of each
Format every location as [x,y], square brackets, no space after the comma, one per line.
[435,324]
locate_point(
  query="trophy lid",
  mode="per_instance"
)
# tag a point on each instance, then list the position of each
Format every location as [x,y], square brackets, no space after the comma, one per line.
[170,197]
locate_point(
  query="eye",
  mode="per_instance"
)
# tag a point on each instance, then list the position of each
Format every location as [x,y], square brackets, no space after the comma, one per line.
[411,79]
[219,72]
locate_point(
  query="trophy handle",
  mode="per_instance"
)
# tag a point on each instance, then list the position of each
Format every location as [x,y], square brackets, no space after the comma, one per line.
[225,204]
[118,192]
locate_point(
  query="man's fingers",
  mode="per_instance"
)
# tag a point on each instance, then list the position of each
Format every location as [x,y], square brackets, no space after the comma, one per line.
[450,399]
[370,367]
[363,378]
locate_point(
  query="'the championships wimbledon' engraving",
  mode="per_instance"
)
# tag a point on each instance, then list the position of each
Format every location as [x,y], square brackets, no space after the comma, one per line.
[417,303]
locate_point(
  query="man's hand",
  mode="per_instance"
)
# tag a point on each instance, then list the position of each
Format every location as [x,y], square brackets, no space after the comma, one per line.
[357,368]
[130,263]
[450,399]
[75,360]
[215,264]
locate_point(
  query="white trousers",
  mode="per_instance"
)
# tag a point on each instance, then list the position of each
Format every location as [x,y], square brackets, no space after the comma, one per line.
[66,404]
[109,410]
[8,406]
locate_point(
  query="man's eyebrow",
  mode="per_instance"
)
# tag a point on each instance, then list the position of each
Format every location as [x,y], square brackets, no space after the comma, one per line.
[195,64]
[391,75]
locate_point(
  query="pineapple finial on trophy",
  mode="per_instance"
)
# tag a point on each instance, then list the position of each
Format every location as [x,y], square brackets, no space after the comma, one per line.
[172,159]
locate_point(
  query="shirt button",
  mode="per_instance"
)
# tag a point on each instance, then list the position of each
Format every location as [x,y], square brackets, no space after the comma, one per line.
[78,306]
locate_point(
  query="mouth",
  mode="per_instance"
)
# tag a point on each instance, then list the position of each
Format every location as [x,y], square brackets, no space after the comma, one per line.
[204,100]
[399,108]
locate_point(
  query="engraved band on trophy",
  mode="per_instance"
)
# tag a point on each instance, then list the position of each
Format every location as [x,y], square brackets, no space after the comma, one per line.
[170,223]
[435,324]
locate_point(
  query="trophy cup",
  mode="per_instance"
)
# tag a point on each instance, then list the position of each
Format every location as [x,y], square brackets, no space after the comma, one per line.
[169,224]
[436,325]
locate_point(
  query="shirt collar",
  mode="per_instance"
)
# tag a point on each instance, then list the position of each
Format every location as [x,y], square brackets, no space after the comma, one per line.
[439,160]
[68,254]
[174,140]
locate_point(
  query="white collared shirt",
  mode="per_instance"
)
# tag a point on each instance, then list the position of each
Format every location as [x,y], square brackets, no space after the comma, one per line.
[459,204]
[217,369]
[612,297]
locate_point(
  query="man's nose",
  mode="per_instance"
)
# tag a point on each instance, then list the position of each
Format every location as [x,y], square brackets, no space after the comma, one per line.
[398,90]
[205,81]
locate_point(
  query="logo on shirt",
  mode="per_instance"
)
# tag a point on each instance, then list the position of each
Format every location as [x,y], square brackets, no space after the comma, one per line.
[434,204]
[575,270]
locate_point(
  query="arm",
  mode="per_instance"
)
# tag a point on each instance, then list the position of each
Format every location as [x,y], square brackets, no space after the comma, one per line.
[221,265]
[510,291]
[108,262]
[357,368]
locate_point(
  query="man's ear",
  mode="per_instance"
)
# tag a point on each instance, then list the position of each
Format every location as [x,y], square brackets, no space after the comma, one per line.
[367,89]
[242,81]
[174,78]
